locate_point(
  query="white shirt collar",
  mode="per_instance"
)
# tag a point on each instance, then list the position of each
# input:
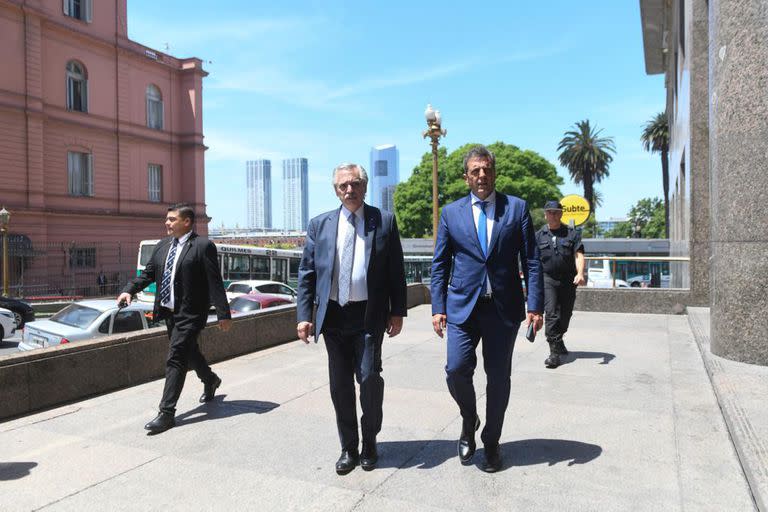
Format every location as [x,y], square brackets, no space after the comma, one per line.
[358,213]
[491,199]
[184,238]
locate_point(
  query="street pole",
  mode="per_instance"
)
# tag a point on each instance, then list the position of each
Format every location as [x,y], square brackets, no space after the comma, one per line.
[5,219]
[5,262]
[434,131]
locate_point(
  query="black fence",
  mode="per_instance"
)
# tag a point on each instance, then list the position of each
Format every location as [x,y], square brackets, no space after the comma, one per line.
[69,269]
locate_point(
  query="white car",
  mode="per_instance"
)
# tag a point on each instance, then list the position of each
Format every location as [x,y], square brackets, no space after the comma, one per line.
[87,319]
[238,288]
[601,282]
[7,323]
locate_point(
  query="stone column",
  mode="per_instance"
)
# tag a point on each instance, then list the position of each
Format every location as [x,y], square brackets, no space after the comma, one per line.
[698,154]
[738,96]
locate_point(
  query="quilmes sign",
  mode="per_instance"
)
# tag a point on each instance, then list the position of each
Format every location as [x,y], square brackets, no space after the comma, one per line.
[575,209]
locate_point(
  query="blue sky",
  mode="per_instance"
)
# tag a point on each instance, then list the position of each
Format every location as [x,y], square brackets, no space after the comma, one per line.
[328,80]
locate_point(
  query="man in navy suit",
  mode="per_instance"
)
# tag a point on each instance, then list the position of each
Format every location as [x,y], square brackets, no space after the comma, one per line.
[477,293]
[352,270]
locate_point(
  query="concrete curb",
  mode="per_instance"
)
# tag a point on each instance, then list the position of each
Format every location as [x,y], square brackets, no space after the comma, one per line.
[743,406]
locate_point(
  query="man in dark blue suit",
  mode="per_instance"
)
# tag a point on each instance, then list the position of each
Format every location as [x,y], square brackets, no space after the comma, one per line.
[352,270]
[477,293]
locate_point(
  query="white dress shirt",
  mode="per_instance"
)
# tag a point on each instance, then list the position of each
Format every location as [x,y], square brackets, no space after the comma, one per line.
[359,285]
[490,210]
[179,247]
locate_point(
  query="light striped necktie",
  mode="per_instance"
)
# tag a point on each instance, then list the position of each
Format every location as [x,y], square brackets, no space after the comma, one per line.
[165,284]
[347,259]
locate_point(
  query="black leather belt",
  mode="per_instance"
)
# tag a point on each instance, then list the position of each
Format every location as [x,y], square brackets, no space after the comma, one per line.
[350,304]
[485,298]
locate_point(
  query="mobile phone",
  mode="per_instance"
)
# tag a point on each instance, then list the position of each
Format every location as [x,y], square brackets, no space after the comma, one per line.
[530,334]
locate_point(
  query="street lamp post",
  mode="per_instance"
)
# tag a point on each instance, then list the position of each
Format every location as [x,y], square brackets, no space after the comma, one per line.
[5,219]
[434,131]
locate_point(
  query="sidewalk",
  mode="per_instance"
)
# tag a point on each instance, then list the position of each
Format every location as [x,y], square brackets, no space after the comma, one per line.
[629,423]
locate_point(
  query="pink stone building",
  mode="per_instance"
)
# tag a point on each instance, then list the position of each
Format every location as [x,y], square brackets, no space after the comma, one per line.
[98,134]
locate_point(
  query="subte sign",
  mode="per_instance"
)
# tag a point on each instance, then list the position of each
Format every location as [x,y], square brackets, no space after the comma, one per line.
[576,209]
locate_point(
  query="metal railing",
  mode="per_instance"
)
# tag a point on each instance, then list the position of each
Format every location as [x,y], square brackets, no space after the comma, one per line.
[70,269]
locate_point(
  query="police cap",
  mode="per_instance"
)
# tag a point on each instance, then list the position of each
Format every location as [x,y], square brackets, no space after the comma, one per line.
[553,205]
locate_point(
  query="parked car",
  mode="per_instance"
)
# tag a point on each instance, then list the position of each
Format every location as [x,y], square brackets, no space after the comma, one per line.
[238,288]
[7,323]
[255,301]
[22,312]
[87,319]
[601,282]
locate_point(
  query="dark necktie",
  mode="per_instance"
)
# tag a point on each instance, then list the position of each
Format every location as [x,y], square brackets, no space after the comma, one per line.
[165,284]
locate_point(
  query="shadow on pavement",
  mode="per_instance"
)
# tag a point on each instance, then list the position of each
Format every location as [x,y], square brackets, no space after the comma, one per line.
[572,356]
[15,470]
[425,454]
[529,452]
[221,408]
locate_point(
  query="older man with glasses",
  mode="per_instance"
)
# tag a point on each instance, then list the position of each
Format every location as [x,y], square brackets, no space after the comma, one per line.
[352,269]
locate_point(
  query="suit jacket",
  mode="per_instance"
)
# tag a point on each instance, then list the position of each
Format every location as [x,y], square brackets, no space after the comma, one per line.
[459,269]
[385,274]
[196,285]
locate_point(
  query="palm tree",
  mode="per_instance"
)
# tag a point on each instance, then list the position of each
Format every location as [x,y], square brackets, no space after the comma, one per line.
[587,157]
[655,138]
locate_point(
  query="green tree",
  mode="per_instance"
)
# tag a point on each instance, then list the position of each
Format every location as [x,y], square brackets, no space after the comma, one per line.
[645,220]
[655,139]
[620,230]
[590,229]
[522,173]
[587,156]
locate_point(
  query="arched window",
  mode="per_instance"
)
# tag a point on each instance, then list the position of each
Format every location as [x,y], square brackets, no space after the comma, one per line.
[77,87]
[154,107]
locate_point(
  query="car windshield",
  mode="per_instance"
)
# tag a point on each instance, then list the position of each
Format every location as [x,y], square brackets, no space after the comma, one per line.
[76,315]
[239,288]
[243,305]
[146,253]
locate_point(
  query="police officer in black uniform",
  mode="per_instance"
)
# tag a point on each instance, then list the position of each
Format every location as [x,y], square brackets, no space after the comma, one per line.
[562,257]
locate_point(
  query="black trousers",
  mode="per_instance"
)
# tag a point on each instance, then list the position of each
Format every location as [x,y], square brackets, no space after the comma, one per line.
[559,296]
[354,354]
[183,354]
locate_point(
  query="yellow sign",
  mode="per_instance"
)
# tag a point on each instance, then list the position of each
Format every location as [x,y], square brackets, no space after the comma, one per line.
[576,209]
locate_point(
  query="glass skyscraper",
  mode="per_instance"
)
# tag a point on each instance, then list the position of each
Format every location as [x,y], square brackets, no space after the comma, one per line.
[295,194]
[383,176]
[258,179]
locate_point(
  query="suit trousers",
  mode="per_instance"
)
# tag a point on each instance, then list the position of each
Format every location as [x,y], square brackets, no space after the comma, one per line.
[354,353]
[183,354]
[498,343]
[559,297]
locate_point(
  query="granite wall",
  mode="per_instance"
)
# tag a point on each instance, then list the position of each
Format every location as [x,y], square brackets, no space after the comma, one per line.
[738,142]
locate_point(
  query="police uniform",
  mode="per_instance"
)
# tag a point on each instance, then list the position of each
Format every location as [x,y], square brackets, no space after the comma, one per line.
[558,250]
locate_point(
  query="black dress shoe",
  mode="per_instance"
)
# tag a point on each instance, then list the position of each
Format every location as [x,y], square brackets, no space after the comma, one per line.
[492,459]
[369,456]
[347,461]
[161,423]
[209,389]
[553,361]
[467,444]
[560,348]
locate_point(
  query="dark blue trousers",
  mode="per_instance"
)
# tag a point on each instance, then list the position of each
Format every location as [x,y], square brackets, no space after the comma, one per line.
[353,354]
[498,344]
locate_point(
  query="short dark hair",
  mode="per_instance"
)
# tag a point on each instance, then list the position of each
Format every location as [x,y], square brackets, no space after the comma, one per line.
[482,153]
[185,211]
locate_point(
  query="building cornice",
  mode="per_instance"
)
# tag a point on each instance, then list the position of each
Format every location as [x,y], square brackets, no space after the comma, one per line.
[655,40]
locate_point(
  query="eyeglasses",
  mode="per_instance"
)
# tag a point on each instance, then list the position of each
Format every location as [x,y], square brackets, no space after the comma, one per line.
[349,184]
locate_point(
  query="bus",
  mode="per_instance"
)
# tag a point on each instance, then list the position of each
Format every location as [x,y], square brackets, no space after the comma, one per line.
[244,262]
